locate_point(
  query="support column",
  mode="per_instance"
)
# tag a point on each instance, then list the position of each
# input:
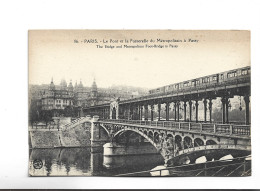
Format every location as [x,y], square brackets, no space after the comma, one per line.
[246,99]
[227,103]
[196,110]
[159,111]
[223,100]
[129,112]
[152,108]
[205,109]
[96,140]
[175,105]
[178,111]
[135,112]
[145,112]
[141,112]
[167,110]
[210,110]
[184,107]
[190,106]
[138,112]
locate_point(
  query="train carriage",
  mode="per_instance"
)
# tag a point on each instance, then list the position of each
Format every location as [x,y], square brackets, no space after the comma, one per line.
[214,79]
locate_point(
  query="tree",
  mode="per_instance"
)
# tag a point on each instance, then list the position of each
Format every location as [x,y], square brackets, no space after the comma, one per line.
[34,112]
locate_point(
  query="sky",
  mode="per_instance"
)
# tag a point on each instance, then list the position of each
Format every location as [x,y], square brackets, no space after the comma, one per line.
[54,54]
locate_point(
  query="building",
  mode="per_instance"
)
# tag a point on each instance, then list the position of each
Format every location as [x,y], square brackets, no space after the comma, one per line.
[68,100]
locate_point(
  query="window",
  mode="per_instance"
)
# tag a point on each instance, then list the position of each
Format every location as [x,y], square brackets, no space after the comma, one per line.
[244,72]
[214,78]
[186,84]
[232,74]
[221,76]
[205,80]
[177,86]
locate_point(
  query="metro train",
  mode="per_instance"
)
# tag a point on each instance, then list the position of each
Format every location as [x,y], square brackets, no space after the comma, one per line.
[213,79]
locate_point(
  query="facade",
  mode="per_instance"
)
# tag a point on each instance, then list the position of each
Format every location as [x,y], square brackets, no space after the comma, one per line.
[57,98]
[68,100]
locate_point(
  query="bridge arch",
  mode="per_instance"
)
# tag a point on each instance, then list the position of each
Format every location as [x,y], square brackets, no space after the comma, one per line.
[150,135]
[198,142]
[187,142]
[210,142]
[108,133]
[137,131]
[156,137]
[178,141]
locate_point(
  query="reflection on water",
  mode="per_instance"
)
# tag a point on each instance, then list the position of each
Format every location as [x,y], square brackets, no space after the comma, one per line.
[83,162]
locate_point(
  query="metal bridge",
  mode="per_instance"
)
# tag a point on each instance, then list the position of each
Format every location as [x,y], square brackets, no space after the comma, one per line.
[188,94]
[176,139]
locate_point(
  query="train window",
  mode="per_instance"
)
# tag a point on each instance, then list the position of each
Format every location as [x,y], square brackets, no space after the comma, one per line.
[205,80]
[186,84]
[214,78]
[232,74]
[193,83]
[197,82]
[177,86]
[221,76]
[158,90]
[239,72]
[244,72]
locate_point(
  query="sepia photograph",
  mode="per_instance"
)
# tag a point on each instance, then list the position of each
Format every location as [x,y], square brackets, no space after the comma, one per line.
[139,103]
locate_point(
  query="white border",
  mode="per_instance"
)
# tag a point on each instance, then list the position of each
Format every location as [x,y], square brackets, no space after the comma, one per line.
[19,16]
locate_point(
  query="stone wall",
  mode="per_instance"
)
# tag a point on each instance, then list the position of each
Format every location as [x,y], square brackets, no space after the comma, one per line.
[78,136]
[45,139]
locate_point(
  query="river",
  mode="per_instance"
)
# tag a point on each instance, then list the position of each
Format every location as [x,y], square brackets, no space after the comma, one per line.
[86,162]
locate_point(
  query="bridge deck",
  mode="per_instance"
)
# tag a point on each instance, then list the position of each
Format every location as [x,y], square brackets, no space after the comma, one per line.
[226,130]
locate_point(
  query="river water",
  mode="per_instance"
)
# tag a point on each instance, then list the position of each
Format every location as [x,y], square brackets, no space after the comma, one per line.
[87,162]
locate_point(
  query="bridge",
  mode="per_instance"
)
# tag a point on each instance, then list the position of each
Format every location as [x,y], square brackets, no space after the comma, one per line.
[177,142]
[173,138]
[181,97]
[118,124]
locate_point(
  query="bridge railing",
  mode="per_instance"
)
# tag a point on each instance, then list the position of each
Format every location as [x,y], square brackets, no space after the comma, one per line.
[228,129]
[48,126]
[241,130]
[73,123]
